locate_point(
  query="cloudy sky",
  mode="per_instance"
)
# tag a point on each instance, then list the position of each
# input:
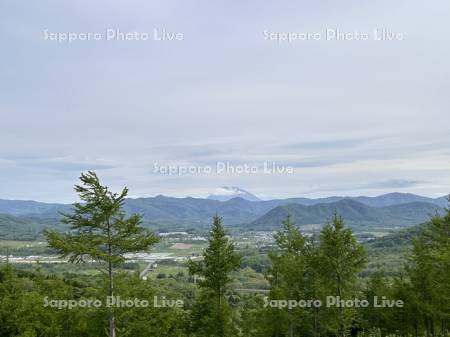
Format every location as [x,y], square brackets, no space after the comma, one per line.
[336,116]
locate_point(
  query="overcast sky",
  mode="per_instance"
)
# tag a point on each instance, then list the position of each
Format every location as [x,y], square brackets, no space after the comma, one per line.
[346,117]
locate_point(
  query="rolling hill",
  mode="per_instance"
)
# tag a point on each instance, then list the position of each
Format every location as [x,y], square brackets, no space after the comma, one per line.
[161,212]
[353,212]
[27,207]
[24,228]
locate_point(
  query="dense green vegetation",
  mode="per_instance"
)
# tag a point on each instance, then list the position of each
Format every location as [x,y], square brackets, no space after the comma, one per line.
[25,227]
[300,268]
[99,230]
[423,288]
[211,315]
[327,284]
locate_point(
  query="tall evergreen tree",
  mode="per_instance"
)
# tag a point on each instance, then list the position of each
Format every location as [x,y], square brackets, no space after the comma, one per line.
[422,274]
[438,237]
[429,271]
[100,230]
[287,278]
[212,316]
[314,281]
[341,258]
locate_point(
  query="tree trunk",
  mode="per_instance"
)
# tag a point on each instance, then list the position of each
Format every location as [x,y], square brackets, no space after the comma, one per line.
[221,331]
[341,328]
[112,324]
[291,325]
[432,326]
[316,322]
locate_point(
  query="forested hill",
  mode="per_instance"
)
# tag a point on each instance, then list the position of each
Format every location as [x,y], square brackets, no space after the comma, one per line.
[400,239]
[26,227]
[352,211]
[160,212]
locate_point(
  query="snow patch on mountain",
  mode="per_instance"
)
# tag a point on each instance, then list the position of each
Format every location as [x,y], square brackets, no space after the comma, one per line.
[225,193]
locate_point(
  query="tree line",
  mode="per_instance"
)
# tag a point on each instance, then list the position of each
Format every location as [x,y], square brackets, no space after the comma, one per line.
[306,273]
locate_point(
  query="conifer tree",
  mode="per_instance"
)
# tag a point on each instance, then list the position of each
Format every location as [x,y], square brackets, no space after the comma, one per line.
[212,316]
[287,277]
[314,289]
[438,237]
[100,230]
[341,258]
[429,271]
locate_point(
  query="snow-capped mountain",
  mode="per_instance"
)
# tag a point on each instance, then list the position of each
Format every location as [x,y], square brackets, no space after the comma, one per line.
[229,192]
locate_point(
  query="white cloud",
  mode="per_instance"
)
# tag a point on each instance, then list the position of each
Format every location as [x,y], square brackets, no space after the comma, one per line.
[347,115]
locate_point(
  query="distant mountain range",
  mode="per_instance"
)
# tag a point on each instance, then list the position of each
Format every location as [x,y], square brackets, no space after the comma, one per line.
[353,212]
[389,199]
[27,207]
[394,209]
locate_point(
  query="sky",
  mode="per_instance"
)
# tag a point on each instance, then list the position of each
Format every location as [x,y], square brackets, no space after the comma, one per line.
[224,100]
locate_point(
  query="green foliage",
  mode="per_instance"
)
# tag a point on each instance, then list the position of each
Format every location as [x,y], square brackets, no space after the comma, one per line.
[257,261]
[299,267]
[99,228]
[311,269]
[388,253]
[429,271]
[287,277]
[13,227]
[424,288]
[341,258]
[23,311]
[212,314]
